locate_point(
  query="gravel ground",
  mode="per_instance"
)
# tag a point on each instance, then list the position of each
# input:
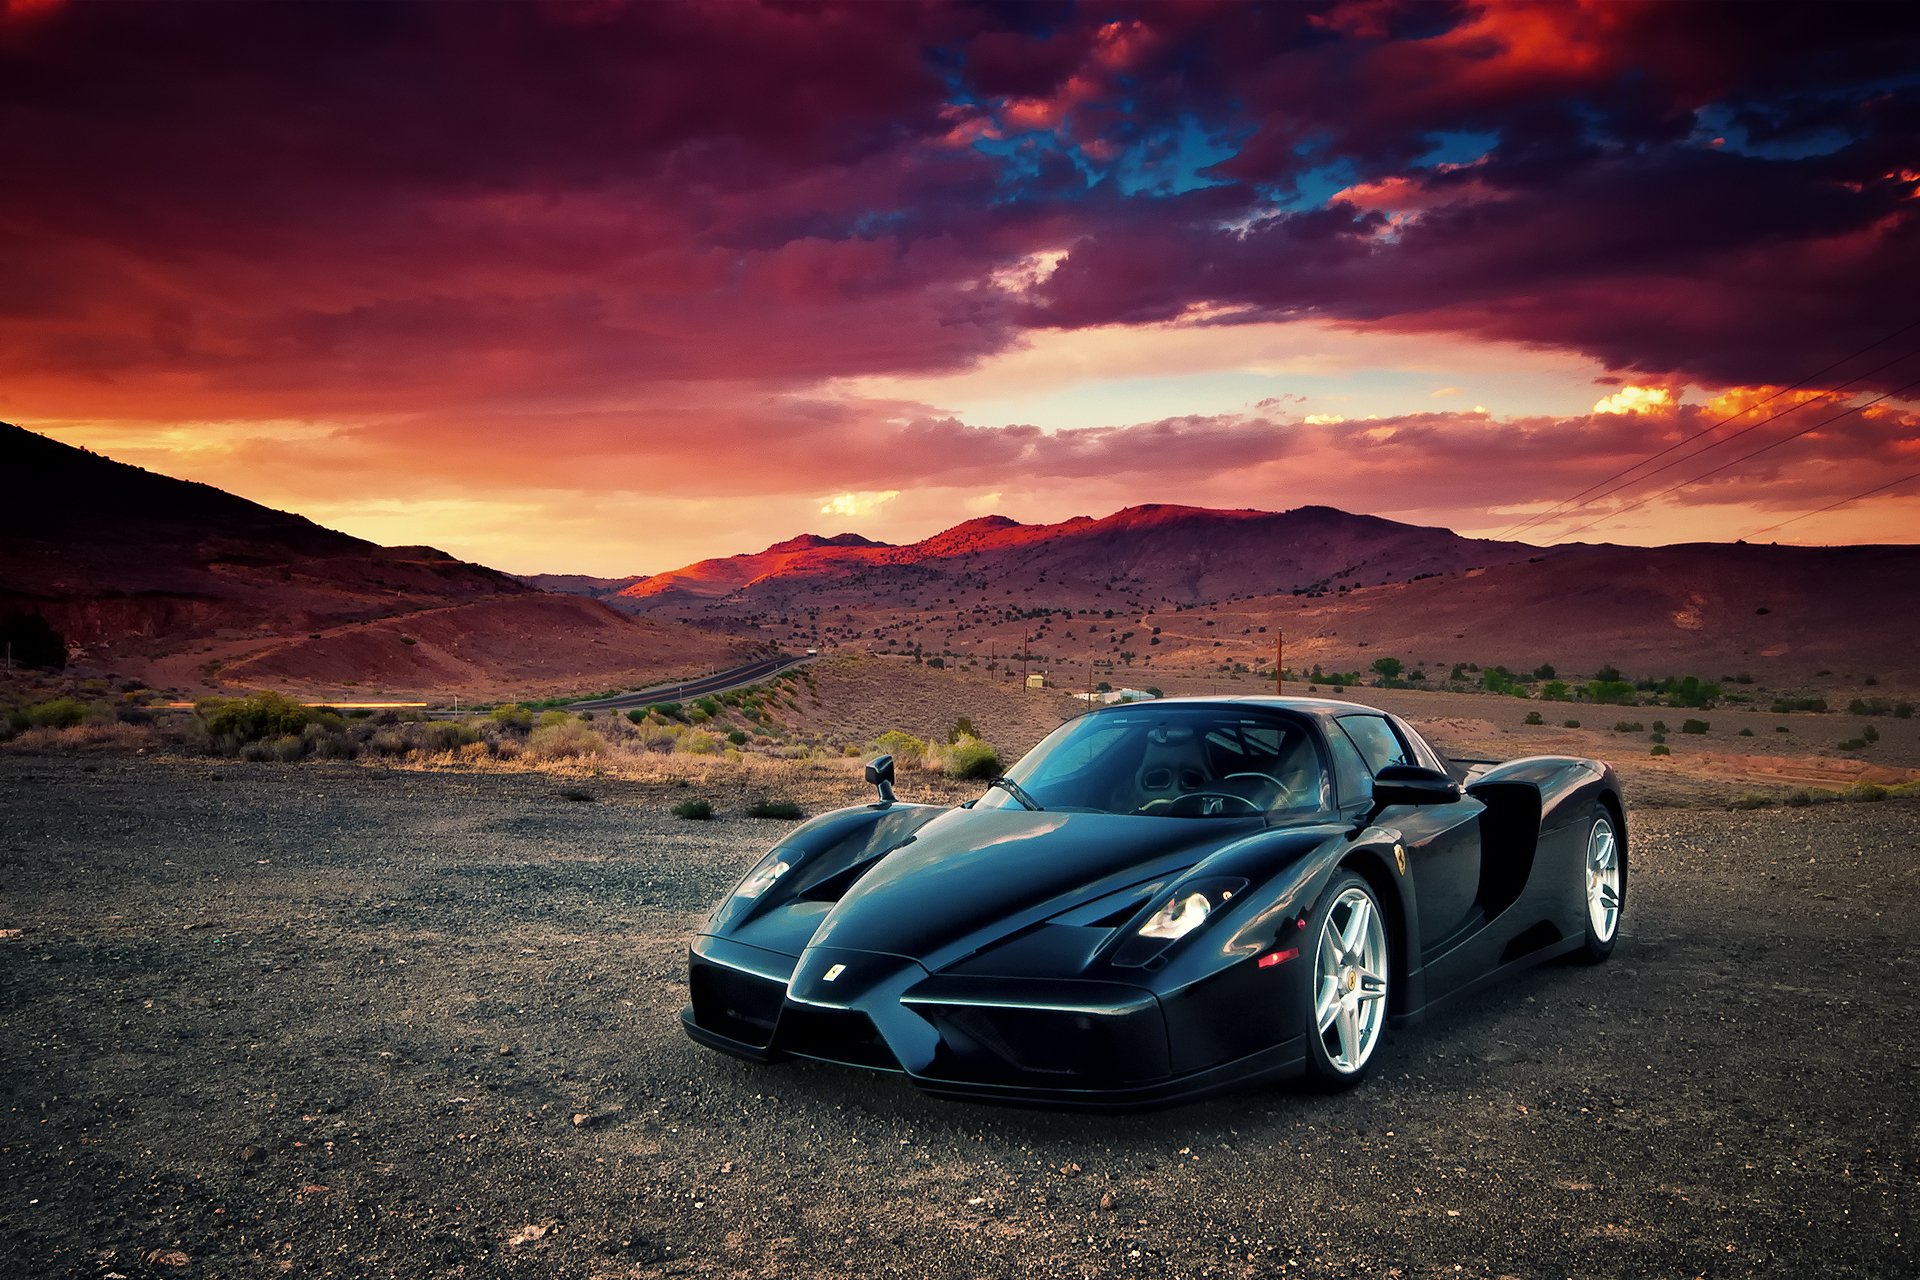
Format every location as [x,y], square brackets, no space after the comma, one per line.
[327,1020]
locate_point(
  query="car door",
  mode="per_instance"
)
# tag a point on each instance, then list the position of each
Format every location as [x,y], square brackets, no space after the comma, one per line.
[1442,841]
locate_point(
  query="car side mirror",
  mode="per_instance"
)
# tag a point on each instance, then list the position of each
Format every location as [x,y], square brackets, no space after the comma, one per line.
[880,774]
[1412,784]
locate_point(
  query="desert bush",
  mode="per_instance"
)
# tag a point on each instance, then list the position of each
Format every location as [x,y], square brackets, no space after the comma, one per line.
[55,713]
[565,739]
[1752,800]
[1661,749]
[638,715]
[1569,724]
[905,749]
[1783,705]
[669,710]
[330,744]
[512,717]
[1534,717]
[287,748]
[971,758]
[737,737]
[448,735]
[548,719]
[699,742]
[258,751]
[258,716]
[474,752]
[697,810]
[1746,733]
[1868,791]
[1629,726]
[387,742]
[1694,726]
[708,706]
[783,809]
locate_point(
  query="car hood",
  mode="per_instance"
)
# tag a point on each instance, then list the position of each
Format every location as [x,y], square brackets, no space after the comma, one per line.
[973,876]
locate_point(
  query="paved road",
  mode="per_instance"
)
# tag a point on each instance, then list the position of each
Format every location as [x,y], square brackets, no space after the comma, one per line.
[719,682]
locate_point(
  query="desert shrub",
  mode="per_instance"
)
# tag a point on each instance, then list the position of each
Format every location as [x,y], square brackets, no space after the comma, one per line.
[475,752]
[1629,726]
[1870,734]
[669,710]
[1783,705]
[1659,726]
[905,749]
[1797,799]
[287,748]
[258,751]
[387,742]
[565,739]
[576,794]
[1615,691]
[548,719]
[448,735]
[513,717]
[971,758]
[1690,691]
[1534,717]
[962,727]
[1661,749]
[708,706]
[1570,724]
[1852,744]
[638,715]
[697,810]
[784,809]
[1746,733]
[1868,791]
[1694,726]
[55,713]
[1752,800]
[259,715]
[699,742]
[737,737]
[659,740]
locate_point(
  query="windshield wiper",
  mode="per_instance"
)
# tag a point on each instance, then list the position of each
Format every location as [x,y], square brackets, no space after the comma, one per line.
[1017,791]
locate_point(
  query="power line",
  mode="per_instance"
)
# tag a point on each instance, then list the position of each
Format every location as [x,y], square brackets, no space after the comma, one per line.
[1891,484]
[1538,517]
[1714,471]
[1746,430]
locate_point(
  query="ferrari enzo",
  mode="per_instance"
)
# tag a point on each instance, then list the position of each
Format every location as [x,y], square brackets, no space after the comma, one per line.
[1162,899]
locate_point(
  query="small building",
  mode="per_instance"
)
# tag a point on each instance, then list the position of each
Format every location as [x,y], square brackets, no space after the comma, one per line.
[1036,681]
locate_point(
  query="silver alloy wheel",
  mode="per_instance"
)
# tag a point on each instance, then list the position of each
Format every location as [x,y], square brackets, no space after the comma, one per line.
[1350,1005]
[1603,881]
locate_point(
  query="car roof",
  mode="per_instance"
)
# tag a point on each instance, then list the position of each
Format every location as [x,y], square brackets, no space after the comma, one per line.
[1310,706]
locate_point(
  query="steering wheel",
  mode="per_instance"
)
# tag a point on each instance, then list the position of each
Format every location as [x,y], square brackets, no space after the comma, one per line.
[1182,805]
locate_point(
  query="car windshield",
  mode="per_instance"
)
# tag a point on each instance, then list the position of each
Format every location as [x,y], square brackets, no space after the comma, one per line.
[1172,760]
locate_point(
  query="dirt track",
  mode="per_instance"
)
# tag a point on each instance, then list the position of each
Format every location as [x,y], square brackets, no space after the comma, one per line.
[322,1020]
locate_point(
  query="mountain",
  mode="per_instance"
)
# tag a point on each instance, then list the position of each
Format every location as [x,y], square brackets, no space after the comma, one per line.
[1169,587]
[1137,557]
[175,580]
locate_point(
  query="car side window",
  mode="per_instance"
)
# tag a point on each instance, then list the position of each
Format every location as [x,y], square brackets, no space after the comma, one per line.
[1350,772]
[1379,745]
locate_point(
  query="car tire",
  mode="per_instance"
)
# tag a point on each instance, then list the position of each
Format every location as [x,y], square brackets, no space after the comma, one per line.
[1603,886]
[1346,979]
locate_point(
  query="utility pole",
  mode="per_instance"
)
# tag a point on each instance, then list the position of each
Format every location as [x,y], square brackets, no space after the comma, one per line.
[1279,663]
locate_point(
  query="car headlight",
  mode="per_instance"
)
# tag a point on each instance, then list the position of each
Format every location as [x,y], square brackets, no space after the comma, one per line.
[761,878]
[1183,913]
[1185,910]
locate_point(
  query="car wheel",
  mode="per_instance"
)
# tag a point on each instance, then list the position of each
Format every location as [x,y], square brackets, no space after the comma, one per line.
[1347,992]
[1604,888]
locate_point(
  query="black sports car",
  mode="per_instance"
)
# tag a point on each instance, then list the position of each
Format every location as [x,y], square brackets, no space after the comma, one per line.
[1161,899]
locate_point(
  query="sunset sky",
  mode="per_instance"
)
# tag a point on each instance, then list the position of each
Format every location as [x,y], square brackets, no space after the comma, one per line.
[607,287]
